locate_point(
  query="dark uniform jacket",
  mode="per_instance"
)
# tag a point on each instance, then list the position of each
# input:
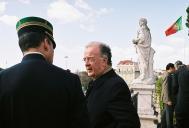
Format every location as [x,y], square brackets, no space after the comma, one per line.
[37,94]
[181,88]
[109,103]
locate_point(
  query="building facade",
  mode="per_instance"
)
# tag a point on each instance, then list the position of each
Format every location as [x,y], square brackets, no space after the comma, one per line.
[128,70]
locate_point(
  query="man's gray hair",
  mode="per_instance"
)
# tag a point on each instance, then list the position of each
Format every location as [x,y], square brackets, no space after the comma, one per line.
[104,49]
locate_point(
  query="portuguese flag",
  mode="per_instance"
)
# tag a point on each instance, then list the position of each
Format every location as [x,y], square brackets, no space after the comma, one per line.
[175,27]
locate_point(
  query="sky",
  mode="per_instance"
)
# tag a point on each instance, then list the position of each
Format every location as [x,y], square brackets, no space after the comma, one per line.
[113,22]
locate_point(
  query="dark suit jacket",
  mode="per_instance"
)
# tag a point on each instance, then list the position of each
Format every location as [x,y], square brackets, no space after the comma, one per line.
[181,87]
[109,103]
[37,94]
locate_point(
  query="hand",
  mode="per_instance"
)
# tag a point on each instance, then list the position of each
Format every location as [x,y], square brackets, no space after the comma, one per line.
[134,41]
[169,103]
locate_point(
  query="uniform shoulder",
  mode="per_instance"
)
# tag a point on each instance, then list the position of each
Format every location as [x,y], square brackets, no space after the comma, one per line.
[67,72]
[6,70]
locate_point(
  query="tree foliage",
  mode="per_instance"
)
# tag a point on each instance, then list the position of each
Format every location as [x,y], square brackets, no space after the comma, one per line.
[158,92]
[187,20]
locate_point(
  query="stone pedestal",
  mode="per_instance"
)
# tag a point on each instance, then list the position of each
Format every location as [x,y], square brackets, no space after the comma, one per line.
[145,104]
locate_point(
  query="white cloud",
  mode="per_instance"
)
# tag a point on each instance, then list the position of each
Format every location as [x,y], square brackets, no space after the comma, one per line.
[175,40]
[87,27]
[2,7]
[104,11]
[9,20]
[63,11]
[74,57]
[81,4]
[24,1]
[164,49]
[80,12]
[167,54]
[123,53]
[90,15]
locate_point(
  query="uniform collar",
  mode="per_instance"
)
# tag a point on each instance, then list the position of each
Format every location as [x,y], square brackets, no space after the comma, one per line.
[33,56]
[27,53]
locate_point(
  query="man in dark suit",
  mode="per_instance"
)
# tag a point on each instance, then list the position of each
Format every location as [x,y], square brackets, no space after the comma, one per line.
[181,88]
[35,93]
[108,97]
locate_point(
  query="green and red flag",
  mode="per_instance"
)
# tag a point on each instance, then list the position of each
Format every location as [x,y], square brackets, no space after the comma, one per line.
[175,27]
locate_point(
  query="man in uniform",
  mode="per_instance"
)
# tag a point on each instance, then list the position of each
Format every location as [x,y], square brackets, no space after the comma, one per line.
[35,93]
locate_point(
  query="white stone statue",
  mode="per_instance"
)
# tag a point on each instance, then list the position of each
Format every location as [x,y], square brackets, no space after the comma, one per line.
[145,54]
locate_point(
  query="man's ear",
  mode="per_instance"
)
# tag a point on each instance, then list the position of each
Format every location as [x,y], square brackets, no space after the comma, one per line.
[46,44]
[105,60]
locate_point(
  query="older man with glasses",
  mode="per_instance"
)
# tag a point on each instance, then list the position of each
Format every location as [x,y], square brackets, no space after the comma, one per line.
[108,96]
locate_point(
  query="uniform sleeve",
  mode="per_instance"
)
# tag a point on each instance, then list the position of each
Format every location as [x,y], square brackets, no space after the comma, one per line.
[122,109]
[79,111]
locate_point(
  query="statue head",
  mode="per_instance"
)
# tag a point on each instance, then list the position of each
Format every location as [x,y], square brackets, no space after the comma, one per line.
[143,21]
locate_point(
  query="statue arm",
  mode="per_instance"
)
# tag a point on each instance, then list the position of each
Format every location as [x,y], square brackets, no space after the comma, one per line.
[140,38]
[145,39]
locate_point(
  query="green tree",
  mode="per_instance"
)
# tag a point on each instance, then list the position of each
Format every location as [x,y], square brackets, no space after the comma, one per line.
[158,92]
[84,80]
[187,20]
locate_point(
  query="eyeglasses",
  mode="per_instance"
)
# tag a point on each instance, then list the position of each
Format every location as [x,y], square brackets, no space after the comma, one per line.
[92,59]
[89,59]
